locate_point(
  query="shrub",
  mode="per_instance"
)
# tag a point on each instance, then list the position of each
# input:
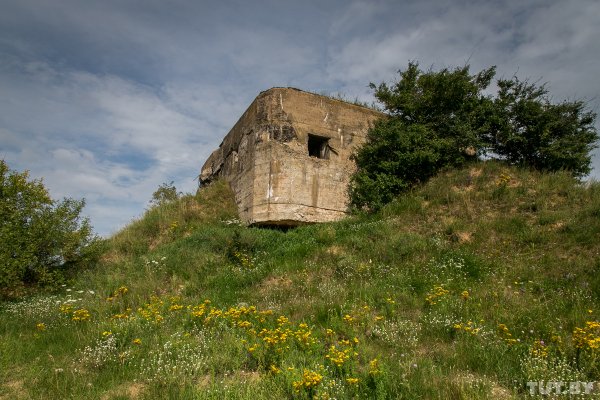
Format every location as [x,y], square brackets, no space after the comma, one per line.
[533,132]
[440,119]
[166,193]
[436,120]
[40,239]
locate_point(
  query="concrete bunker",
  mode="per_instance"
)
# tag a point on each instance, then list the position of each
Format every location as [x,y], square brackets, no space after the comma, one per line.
[287,158]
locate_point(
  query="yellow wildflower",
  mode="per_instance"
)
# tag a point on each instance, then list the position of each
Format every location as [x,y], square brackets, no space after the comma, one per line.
[244,324]
[81,315]
[374,367]
[587,337]
[310,379]
[539,349]
[66,308]
[273,368]
[338,357]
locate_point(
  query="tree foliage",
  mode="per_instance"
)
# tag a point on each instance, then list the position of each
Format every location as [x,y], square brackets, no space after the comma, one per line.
[165,193]
[40,239]
[531,131]
[439,119]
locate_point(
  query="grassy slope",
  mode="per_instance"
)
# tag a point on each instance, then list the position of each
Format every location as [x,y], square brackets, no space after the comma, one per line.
[467,288]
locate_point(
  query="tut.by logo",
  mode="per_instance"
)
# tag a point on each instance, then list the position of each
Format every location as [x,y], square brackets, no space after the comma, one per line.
[559,387]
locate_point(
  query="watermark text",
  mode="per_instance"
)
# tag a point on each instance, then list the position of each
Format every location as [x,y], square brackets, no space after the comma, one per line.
[560,387]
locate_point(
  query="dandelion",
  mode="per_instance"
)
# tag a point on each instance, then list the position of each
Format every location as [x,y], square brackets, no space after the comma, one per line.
[465,295]
[137,341]
[41,327]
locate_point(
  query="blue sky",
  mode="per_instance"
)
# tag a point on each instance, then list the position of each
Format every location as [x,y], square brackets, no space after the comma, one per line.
[107,100]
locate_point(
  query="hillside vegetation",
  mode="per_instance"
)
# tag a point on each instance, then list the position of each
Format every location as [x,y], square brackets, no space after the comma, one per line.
[468,287]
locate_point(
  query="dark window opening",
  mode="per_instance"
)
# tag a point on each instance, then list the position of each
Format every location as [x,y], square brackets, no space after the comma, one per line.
[318,146]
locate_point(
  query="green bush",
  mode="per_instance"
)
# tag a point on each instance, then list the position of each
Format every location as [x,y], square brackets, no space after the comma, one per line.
[40,239]
[436,119]
[166,193]
[533,132]
[440,119]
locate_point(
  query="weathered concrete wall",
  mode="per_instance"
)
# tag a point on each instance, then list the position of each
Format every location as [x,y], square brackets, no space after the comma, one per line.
[265,157]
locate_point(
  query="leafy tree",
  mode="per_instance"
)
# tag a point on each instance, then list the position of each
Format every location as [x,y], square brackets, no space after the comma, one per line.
[531,131]
[166,193]
[440,119]
[436,119]
[40,239]
[448,102]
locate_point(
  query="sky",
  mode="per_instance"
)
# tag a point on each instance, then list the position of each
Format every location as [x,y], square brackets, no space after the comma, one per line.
[106,100]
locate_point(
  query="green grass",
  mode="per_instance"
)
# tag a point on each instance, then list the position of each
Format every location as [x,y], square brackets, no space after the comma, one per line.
[451,289]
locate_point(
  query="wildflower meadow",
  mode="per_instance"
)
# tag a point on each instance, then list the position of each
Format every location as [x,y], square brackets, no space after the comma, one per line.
[471,287]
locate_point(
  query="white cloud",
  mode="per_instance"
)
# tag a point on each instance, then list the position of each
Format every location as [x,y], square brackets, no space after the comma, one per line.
[81,132]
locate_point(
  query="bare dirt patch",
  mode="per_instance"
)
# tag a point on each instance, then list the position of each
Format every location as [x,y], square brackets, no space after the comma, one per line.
[131,390]
[274,284]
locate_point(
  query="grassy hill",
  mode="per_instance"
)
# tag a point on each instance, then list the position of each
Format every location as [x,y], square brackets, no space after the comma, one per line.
[482,280]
